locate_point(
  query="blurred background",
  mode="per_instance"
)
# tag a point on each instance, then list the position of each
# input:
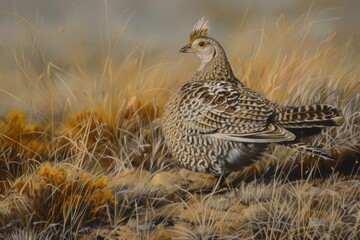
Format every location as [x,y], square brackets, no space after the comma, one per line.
[34,33]
[160,24]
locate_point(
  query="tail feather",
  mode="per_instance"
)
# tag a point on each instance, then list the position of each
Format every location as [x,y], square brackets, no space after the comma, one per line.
[309,116]
[312,150]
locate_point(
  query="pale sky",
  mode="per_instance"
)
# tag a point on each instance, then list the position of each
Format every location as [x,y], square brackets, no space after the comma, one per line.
[164,23]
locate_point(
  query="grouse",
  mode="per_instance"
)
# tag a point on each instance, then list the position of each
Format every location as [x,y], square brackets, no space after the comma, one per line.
[215,124]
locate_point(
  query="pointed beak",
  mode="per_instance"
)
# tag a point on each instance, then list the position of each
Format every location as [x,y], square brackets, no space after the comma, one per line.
[186,49]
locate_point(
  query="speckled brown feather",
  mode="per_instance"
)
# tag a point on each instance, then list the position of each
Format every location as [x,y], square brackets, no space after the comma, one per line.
[215,124]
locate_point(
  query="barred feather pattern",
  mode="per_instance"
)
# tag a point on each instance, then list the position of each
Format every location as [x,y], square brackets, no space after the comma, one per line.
[309,116]
[216,127]
[215,124]
[196,135]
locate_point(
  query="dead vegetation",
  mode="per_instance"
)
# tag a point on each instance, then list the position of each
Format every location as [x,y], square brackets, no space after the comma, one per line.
[104,172]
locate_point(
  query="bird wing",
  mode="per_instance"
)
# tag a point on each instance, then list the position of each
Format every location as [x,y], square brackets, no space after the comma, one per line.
[222,110]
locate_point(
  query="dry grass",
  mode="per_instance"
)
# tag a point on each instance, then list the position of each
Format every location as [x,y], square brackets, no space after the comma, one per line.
[90,161]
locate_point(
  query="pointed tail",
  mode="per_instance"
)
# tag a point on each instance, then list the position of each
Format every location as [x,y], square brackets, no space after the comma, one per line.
[312,150]
[309,116]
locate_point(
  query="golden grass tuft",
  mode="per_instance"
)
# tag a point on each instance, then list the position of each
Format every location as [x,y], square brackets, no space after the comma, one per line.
[59,194]
[86,134]
[27,140]
[23,146]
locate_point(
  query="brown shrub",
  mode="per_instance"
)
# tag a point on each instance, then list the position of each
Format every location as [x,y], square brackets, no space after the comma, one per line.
[61,195]
[22,147]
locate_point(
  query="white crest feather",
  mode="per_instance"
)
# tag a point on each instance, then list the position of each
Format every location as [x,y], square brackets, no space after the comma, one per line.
[200,29]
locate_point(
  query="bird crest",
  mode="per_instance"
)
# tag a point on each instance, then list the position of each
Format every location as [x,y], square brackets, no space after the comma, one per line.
[200,29]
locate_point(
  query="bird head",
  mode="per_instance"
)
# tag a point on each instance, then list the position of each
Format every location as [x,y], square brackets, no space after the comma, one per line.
[203,46]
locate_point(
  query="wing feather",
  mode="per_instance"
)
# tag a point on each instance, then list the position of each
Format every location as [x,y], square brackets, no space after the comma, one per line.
[221,110]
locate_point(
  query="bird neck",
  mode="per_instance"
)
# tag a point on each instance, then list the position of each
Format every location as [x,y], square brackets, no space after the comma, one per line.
[217,68]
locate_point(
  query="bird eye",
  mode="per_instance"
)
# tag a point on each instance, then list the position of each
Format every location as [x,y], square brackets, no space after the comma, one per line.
[201,44]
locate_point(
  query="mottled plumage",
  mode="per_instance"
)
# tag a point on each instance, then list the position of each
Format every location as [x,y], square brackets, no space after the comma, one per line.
[215,124]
